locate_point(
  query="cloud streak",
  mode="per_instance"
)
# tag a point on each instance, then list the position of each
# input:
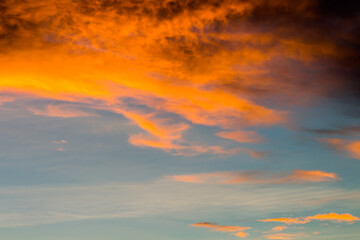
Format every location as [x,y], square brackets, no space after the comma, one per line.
[34,205]
[332,217]
[238,231]
[282,236]
[257,177]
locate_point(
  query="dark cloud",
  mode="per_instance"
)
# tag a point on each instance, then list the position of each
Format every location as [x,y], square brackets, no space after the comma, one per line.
[350,130]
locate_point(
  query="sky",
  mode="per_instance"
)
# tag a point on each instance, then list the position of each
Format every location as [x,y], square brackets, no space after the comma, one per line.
[179,119]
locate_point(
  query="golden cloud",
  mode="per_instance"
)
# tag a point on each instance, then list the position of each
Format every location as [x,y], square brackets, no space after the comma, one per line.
[332,217]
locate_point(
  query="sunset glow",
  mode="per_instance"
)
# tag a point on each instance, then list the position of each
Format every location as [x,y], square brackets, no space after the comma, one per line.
[179,119]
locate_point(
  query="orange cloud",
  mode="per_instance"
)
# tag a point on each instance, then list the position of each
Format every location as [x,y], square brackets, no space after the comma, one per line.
[223,228]
[333,217]
[168,137]
[155,127]
[286,220]
[220,228]
[209,64]
[241,234]
[258,177]
[352,148]
[300,176]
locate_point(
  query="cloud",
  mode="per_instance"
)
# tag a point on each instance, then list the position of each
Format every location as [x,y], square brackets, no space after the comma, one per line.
[220,228]
[35,205]
[284,236]
[62,111]
[168,137]
[241,234]
[279,228]
[301,176]
[352,148]
[223,228]
[212,63]
[332,217]
[286,220]
[60,150]
[59,141]
[257,177]
[5,98]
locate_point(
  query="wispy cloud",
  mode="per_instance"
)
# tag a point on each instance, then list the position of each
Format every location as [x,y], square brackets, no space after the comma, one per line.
[220,228]
[279,228]
[169,137]
[41,205]
[258,177]
[62,111]
[238,231]
[6,98]
[352,148]
[332,217]
[282,236]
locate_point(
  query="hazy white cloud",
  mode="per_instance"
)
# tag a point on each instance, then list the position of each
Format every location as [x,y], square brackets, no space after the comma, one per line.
[41,205]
